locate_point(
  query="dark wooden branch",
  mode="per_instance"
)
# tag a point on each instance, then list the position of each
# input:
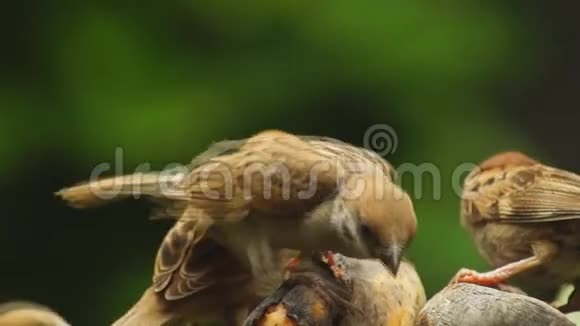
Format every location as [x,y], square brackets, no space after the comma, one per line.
[473,305]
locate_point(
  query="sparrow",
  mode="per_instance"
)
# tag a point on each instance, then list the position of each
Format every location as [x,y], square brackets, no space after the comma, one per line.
[28,314]
[366,295]
[256,196]
[524,218]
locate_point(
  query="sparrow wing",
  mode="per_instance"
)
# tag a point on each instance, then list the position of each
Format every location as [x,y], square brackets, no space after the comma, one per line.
[351,154]
[174,272]
[186,265]
[529,194]
[174,203]
[272,173]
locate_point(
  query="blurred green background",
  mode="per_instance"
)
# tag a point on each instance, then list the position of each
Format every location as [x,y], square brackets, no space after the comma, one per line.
[457,80]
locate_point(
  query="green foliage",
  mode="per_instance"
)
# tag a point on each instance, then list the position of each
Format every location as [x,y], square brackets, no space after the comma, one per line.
[165,79]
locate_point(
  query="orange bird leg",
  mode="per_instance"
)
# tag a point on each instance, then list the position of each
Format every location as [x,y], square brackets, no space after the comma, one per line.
[543,252]
[496,276]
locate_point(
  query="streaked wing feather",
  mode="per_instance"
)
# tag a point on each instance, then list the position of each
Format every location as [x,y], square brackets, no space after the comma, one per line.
[172,273]
[540,194]
[175,200]
[352,154]
[171,253]
[221,148]
[207,266]
[270,174]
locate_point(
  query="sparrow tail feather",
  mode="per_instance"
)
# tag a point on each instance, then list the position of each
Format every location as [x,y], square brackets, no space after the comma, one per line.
[99,192]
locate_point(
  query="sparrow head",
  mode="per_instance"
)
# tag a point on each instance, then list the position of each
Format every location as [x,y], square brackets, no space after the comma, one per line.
[486,172]
[386,218]
[506,159]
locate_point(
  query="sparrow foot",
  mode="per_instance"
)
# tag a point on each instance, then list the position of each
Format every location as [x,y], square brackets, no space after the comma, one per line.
[491,279]
[328,258]
[543,252]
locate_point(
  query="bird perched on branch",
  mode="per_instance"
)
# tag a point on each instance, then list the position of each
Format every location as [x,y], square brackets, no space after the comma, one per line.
[524,218]
[256,196]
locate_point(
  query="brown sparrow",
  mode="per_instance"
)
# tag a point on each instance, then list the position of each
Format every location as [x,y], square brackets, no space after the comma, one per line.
[274,190]
[524,218]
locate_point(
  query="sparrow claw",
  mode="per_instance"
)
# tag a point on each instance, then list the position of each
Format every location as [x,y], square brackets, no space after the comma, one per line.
[489,279]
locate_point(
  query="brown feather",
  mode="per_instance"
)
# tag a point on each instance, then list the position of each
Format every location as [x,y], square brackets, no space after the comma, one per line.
[524,194]
[229,187]
[505,159]
[220,188]
[178,271]
[99,192]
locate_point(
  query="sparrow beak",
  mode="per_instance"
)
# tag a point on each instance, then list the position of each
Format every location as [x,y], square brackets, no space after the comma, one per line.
[391,257]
